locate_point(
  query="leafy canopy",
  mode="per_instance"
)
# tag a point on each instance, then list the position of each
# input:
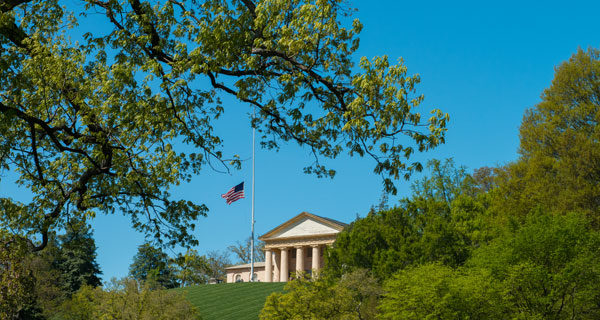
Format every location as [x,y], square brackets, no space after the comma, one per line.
[546,268]
[442,221]
[152,265]
[17,284]
[352,297]
[559,167]
[92,125]
[127,299]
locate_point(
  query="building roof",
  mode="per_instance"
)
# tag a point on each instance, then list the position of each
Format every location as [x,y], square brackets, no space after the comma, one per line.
[331,223]
[332,220]
[247,265]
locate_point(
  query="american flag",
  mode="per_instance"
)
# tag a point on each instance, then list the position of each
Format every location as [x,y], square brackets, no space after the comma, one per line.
[234,193]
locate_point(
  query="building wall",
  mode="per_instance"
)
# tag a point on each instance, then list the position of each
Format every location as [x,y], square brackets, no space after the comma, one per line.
[244,274]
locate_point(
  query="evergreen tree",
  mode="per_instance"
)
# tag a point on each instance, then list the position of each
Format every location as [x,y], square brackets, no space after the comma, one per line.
[151,264]
[50,288]
[77,263]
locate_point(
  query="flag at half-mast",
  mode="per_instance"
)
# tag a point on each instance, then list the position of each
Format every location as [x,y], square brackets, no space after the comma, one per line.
[234,194]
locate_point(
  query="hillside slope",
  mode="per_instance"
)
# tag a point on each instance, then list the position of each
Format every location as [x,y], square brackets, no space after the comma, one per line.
[231,301]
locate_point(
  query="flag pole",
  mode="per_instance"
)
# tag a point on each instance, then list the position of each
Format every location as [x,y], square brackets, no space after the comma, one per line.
[252,222]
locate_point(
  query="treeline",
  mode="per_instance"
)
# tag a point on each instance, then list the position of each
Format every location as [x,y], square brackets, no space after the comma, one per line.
[519,241]
[145,293]
[153,266]
[33,285]
[63,281]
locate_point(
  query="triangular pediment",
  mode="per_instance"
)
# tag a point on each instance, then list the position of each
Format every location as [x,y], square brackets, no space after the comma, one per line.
[304,225]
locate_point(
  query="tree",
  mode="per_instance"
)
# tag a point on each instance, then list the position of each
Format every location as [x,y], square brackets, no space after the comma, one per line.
[78,264]
[382,242]
[546,268]
[17,285]
[442,222]
[58,271]
[91,126]
[354,296]
[217,262]
[559,166]
[50,285]
[151,264]
[242,250]
[444,184]
[128,299]
[191,268]
[485,178]
[435,291]
[49,276]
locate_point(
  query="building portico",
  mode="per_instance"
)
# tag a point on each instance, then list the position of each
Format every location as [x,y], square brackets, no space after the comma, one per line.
[297,246]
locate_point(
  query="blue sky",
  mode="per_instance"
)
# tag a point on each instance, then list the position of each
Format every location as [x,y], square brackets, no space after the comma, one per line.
[482,62]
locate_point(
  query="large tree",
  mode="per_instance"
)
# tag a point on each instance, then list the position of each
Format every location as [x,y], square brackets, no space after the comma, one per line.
[17,285]
[191,268]
[442,221]
[91,125]
[152,265]
[559,167]
[354,297]
[546,268]
[78,264]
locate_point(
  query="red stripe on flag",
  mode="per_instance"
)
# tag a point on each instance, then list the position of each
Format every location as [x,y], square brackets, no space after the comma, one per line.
[232,195]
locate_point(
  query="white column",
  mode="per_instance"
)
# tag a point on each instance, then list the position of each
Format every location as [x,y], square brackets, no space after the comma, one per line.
[299,260]
[316,259]
[277,265]
[268,266]
[284,265]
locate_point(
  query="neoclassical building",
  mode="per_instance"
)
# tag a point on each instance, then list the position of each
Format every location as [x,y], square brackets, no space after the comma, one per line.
[294,246]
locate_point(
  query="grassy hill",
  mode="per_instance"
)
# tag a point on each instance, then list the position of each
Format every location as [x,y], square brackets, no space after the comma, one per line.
[231,301]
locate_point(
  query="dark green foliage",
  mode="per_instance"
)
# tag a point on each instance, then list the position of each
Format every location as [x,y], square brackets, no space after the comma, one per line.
[382,242]
[151,264]
[548,268]
[50,282]
[18,298]
[442,222]
[77,262]
[54,274]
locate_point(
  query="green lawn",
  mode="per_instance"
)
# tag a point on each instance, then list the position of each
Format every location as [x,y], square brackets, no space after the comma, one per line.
[235,301]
